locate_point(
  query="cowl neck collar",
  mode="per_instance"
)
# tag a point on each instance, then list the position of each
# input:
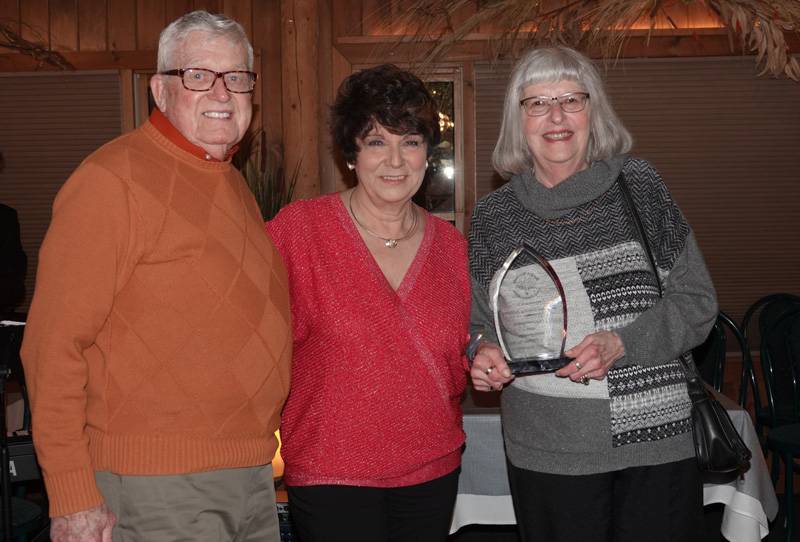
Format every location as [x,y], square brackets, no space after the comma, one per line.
[581,187]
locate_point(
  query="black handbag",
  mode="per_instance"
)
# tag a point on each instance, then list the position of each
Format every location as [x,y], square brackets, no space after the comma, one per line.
[717,445]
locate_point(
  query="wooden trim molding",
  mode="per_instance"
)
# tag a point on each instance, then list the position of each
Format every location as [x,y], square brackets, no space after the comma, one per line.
[95,60]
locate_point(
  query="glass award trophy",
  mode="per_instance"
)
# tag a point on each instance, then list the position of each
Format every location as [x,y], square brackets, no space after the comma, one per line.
[530,313]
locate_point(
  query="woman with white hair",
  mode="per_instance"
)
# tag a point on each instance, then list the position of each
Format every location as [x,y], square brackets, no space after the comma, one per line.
[601,449]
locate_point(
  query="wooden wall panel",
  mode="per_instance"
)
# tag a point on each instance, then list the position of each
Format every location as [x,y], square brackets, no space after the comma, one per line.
[92,25]
[327,166]
[175,8]
[9,13]
[395,11]
[346,18]
[34,24]
[266,37]
[150,21]
[374,20]
[121,25]
[467,10]
[242,11]
[63,25]
[211,6]
[299,65]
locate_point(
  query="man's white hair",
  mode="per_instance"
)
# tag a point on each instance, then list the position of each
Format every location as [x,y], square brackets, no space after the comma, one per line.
[219,25]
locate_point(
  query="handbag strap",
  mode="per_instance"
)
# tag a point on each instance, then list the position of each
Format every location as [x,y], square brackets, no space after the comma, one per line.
[642,234]
[640,231]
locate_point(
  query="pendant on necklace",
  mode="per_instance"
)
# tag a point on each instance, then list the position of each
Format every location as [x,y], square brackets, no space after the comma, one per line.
[390,243]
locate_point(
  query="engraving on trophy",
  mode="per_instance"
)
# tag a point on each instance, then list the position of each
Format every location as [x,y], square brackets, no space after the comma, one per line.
[530,312]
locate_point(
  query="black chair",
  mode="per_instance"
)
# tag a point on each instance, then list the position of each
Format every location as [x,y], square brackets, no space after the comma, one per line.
[21,517]
[769,309]
[780,358]
[709,357]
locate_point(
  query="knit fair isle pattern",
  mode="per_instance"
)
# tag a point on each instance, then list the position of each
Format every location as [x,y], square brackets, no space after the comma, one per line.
[646,403]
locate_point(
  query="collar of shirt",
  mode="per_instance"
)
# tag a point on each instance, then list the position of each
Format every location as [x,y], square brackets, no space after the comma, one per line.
[163,125]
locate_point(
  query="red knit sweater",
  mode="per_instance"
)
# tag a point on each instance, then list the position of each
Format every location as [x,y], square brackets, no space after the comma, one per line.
[377,374]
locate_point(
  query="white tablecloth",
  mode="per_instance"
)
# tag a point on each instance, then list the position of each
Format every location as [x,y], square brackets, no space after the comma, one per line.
[483,493]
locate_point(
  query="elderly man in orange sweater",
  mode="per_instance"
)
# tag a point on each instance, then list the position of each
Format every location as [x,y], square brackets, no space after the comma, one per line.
[158,343]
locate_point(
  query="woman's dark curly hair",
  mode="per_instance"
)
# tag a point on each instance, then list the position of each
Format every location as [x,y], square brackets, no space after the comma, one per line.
[394,98]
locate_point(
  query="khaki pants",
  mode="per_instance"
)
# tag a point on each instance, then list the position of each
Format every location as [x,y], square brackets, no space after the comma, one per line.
[231,505]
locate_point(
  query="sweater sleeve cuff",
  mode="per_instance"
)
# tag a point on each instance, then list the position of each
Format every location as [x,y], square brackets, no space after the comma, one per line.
[71,492]
[629,343]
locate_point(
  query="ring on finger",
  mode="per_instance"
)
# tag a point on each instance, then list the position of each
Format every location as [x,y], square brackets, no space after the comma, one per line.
[578,365]
[489,370]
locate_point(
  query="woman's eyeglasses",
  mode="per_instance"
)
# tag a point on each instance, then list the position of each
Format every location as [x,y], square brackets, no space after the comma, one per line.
[571,102]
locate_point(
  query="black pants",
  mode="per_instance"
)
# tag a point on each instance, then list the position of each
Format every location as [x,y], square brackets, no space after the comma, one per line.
[419,513]
[662,503]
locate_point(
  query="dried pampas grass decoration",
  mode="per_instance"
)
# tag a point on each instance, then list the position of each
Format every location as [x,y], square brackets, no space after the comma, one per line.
[10,39]
[760,26]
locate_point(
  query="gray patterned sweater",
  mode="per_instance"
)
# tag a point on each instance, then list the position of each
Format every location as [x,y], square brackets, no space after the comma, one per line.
[639,414]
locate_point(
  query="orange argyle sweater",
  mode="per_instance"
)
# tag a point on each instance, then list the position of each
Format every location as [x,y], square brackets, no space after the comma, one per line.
[158,341]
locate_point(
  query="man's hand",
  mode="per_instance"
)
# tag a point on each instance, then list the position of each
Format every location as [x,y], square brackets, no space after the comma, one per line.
[93,525]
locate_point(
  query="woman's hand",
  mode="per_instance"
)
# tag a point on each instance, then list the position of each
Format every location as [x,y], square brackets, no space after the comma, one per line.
[489,371]
[594,356]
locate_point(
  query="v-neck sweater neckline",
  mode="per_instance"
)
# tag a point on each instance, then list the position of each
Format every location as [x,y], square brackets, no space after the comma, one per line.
[368,259]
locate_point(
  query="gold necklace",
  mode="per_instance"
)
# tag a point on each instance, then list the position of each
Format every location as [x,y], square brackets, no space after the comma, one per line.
[388,242]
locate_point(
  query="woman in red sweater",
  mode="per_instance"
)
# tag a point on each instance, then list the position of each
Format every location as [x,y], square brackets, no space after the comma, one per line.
[380,302]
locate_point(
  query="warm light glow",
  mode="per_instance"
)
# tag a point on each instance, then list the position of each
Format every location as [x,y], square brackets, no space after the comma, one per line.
[670,16]
[445,123]
[681,16]
[277,461]
[449,171]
